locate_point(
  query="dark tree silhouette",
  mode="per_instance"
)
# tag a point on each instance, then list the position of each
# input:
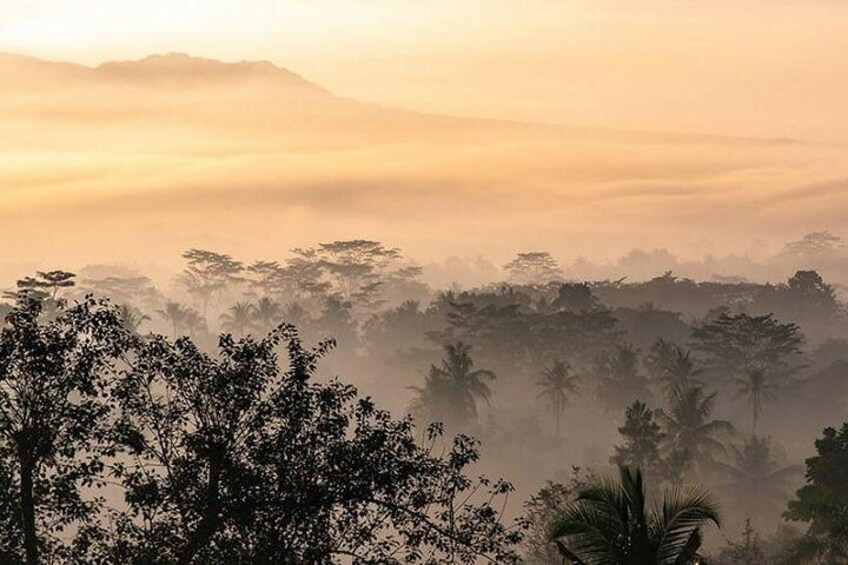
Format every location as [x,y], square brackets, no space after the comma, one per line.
[54,375]
[620,381]
[756,482]
[207,275]
[558,382]
[533,267]
[611,522]
[239,318]
[235,461]
[823,502]
[689,428]
[452,389]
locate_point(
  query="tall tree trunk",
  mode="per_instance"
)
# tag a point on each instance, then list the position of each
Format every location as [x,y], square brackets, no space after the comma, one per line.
[27,462]
[211,520]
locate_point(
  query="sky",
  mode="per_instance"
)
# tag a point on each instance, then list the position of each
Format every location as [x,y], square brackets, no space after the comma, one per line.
[762,68]
[116,171]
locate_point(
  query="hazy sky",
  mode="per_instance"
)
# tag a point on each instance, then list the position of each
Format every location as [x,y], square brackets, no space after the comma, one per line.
[91,172]
[745,67]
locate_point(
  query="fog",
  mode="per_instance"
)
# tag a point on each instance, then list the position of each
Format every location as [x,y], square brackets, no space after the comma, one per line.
[645,299]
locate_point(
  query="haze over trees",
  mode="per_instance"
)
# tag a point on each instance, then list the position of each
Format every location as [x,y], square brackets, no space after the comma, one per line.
[322,409]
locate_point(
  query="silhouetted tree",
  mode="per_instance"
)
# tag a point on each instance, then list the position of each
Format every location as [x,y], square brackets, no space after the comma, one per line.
[756,482]
[673,367]
[267,313]
[238,319]
[533,267]
[207,275]
[754,387]
[557,383]
[620,381]
[452,389]
[823,502]
[689,428]
[54,376]
[611,522]
[232,460]
[131,317]
[643,438]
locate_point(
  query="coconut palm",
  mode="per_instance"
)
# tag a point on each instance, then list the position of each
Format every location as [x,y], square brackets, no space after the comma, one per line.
[620,381]
[755,481]
[178,315]
[610,523]
[131,317]
[673,367]
[267,313]
[756,388]
[688,426]
[238,319]
[557,383]
[452,390]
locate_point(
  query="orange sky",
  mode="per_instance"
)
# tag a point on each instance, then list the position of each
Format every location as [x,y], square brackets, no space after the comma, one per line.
[742,67]
[95,172]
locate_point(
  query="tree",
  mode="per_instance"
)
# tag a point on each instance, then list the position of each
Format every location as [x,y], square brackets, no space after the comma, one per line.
[673,367]
[208,274]
[688,427]
[756,482]
[612,523]
[178,315]
[239,318]
[557,383]
[54,375]
[452,390]
[232,460]
[267,313]
[542,511]
[534,267]
[754,387]
[131,317]
[823,501]
[643,438]
[756,354]
[814,245]
[736,343]
[356,270]
[620,380]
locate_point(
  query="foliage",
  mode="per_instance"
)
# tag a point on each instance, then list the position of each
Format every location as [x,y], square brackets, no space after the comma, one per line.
[823,501]
[688,427]
[755,481]
[619,380]
[543,509]
[557,383]
[451,390]
[533,267]
[234,461]
[54,376]
[611,523]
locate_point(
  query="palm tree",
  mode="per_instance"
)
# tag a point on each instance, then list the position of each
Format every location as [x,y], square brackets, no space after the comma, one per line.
[131,317]
[620,382]
[556,384]
[610,523]
[673,367]
[688,426]
[238,319]
[267,313]
[756,481]
[451,391]
[177,315]
[756,388]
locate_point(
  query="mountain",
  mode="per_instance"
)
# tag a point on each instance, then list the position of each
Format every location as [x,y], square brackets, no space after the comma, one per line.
[174,70]
[146,158]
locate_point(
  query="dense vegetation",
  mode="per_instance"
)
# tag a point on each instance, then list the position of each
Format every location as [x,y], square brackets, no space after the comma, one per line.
[206,425]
